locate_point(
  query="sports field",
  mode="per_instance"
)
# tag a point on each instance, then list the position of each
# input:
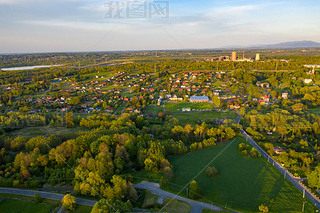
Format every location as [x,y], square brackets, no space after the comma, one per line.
[193,117]
[177,107]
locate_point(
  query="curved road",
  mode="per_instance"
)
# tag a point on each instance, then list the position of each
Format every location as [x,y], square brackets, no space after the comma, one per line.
[48,195]
[295,181]
[197,206]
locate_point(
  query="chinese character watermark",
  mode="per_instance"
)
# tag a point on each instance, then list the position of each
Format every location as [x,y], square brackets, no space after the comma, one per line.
[137,9]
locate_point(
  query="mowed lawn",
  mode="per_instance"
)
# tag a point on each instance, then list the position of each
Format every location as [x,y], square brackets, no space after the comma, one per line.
[177,107]
[242,183]
[193,117]
[18,206]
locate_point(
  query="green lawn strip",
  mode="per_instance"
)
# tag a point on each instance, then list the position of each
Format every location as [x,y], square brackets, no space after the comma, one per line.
[9,205]
[207,211]
[242,183]
[82,209]
[149,199]
[28,198]
[175,206]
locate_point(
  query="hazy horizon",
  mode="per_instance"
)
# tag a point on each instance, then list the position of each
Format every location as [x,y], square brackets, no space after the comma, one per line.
[86,26]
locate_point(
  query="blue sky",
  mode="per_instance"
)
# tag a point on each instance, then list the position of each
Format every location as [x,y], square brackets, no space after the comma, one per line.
[83,25]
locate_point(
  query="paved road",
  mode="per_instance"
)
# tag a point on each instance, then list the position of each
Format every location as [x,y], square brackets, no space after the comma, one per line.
[197,206]
[48,195]
[295,181]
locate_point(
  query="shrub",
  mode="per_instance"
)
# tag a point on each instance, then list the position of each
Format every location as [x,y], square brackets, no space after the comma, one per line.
[37,197]
[211,171]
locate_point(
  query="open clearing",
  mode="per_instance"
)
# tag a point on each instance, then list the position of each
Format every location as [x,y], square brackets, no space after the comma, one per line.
[242,183]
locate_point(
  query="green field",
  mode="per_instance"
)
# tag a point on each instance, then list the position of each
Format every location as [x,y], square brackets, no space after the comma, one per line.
[175,206]
[17,206]
[242,183]
[149,199]
[154,109]
[314,110]
[177,107]
[192,118]
[82,209]
[42,131]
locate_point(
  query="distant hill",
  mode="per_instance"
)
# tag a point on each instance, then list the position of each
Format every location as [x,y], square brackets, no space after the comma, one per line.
[291,44]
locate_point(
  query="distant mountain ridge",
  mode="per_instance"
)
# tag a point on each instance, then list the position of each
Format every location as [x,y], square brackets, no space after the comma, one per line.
[290,44]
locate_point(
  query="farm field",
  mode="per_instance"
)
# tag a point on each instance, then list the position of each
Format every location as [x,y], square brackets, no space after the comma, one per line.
[242,184]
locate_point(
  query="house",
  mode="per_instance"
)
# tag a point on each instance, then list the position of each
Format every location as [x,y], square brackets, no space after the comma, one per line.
[269,133]
[307,81]
[195,99]
[175,98]
[186,109]
[265,85]
[284,95]
[266,99]
[278,150]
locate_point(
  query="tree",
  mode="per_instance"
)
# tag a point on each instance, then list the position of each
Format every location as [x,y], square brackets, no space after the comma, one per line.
[167,171]
[194,190]
[117,206]
[216,101]
[68,202]
[263,208]
[69,119]
[282,130]
[314,178]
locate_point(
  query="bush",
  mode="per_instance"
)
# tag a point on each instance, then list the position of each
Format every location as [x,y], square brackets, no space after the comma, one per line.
[244,153]
[37,197]
[168,172]
[162,182]
[263,208]
[211,171]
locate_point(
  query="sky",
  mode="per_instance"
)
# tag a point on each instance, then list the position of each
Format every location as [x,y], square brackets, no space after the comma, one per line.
[30,26]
